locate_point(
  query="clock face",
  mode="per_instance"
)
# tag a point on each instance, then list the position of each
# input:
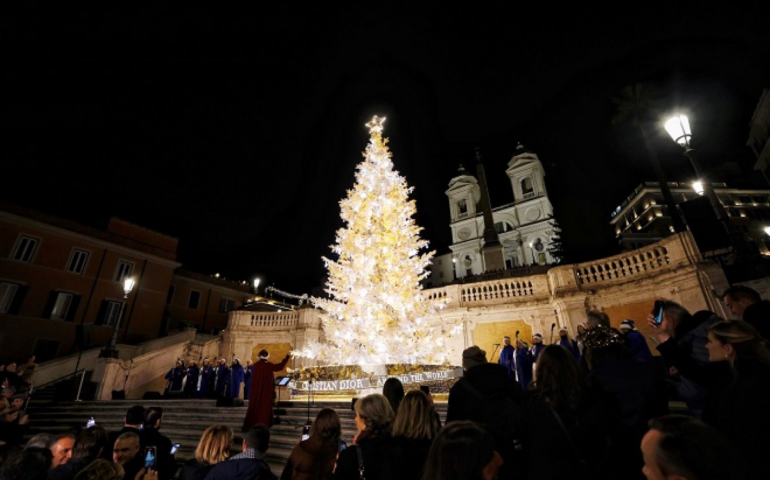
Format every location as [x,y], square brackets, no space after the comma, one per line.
[532,214]
[464,233]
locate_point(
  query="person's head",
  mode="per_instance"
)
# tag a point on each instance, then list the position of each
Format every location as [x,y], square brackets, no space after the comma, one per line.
[682,447]
[61,448]
[153,417]
[30,464]
[581,328]
[473,356]
[462,450]
[18,400]
[257,438]
[416,418]
[563,333]
[737,298]
[521,344]
[264,354]
[506,340]
[205,362]
[236,362]
[558,380]
[41,440]
[178,363]
[8,391]
[597,318]
[31,360]
[327,426]
[11,366]
[91,442]
[214,445]
[248,362]
[626,326]
[393,390]
[134,416]
[537,339]
[604,346]
[674,313]
[374,413]
[126,448]
[101,469]
[222,362]
[736,340]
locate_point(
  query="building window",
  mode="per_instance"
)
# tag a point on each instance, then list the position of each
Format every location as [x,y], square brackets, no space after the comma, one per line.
[170,296]
[462,207]
[25,249]
[526,187]
[195,300]
[7,294]
[124,270]
[78,260]
[225,305]
[112,312]
[61,307]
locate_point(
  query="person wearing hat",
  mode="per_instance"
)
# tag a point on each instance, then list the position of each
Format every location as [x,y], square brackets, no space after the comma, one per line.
[191,380]
[247,379]
[222,379]
[481,382]
[205,383]
[523,364]
[537,347]
[174,378]
[262,393]
[636,341]
[506,357]
[568,343]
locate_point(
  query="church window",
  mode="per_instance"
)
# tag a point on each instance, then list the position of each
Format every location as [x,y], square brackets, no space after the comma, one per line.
[526,187]
[462,207]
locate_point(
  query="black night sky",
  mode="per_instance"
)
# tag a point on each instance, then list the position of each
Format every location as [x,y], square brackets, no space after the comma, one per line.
[237,129]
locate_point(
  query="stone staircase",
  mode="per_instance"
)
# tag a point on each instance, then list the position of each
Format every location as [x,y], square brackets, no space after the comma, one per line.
[185,420]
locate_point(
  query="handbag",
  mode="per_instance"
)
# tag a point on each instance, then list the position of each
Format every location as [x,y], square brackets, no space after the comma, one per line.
[360,463]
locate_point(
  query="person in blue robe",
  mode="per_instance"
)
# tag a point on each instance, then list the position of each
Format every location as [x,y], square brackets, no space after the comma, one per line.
[174,378]
[191,384]
[537,347]
[247,379]
[523,362]
[222,379]
[506,357]
[205,380]
[569,344]
[236,378]
[636,341]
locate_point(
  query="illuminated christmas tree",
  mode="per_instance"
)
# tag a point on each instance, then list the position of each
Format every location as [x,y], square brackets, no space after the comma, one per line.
[376,312]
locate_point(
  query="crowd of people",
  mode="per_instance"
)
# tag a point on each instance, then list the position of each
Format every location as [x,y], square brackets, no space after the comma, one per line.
[596,406]
[209,378]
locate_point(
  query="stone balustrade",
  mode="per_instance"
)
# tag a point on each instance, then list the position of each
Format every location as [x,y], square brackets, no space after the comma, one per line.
[281,320]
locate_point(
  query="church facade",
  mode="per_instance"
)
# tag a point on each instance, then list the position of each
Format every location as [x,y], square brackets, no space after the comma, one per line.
[525,227]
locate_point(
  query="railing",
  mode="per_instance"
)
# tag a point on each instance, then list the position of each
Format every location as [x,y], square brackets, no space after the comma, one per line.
[265,319]
[635,264]
[508,289]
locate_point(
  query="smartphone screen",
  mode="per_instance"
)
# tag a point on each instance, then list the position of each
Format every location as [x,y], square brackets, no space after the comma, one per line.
[343,445]
[150,453]
[657,312]
[91,422]
[175,447]
[305,432]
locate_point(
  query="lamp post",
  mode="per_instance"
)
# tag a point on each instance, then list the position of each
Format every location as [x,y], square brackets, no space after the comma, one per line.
[256,286]
[678,126]
[111,351]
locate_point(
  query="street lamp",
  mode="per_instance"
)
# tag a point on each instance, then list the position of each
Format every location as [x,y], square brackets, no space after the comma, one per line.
[111,351]
[678,126]
[697,186]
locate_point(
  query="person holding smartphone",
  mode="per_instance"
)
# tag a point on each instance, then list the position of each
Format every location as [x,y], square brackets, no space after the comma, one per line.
[682,339]
[319,452]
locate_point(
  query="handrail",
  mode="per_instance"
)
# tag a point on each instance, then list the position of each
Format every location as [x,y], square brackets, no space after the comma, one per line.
[56,380]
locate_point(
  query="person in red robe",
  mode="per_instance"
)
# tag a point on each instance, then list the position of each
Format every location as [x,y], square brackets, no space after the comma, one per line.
[262,391]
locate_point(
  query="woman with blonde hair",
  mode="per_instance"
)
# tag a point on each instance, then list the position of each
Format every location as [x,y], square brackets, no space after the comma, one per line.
[414,429]
[101,469]
[213,447]
[373,448]
[742,414]
[314,458]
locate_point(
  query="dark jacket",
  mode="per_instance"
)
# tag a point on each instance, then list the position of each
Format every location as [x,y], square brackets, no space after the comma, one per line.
[415,455]
[744,417]
[192,470]
[489,378]
[165,462]
[241,469]
[69,469]
[382,459]
[758,315]
[311,459]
